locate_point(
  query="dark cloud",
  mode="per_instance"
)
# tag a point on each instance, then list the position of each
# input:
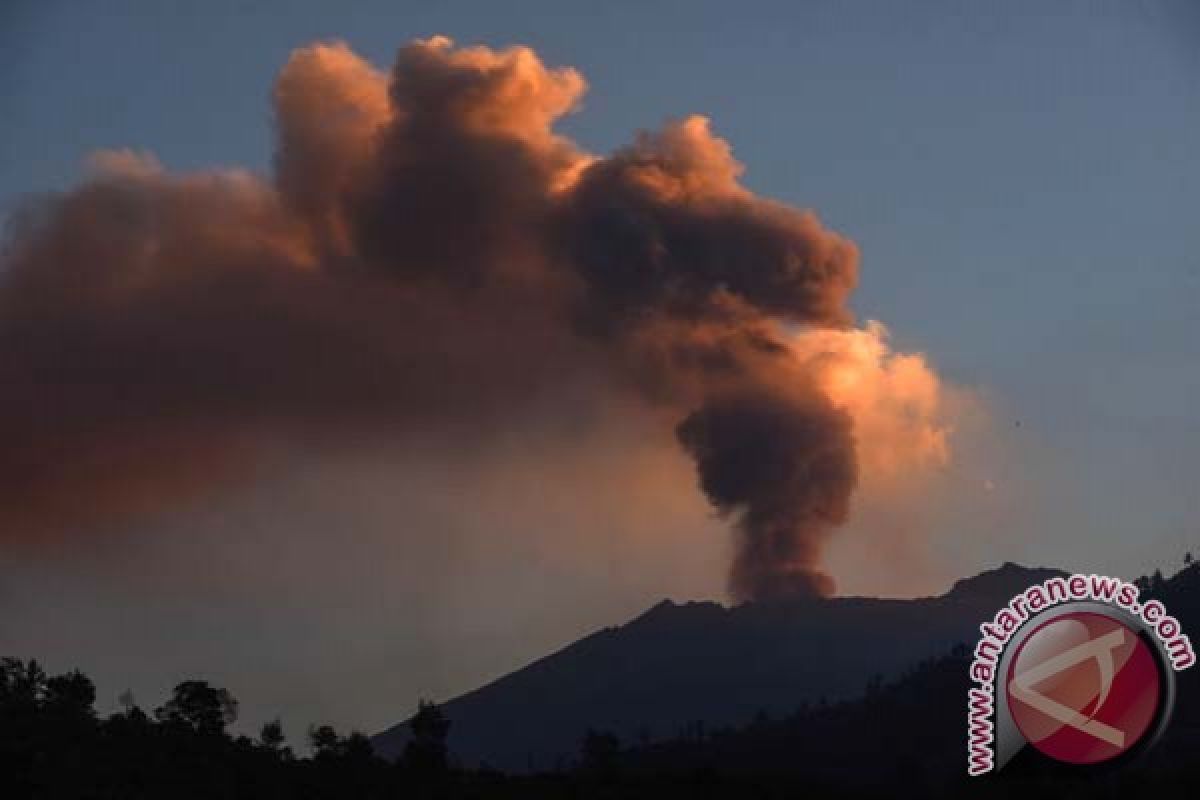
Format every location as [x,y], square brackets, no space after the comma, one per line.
[429,256]
[663,227]
[784,466]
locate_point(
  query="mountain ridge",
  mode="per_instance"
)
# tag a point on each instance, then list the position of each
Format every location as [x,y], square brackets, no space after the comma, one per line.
[679,663]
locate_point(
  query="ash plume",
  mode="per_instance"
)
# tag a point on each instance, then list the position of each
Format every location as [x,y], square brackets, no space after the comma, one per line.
[786,464]
[429,257]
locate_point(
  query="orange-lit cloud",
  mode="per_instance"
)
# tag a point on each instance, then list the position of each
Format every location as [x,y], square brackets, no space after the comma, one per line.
[430,258]
[895,399]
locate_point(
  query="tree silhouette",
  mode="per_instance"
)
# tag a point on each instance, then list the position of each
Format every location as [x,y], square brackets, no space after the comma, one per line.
[325,741]
[271,737]
[203,708]
[72,694]
[21,684]
[427,753]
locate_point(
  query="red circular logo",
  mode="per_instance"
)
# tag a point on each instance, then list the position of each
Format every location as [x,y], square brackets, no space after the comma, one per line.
[1083,688]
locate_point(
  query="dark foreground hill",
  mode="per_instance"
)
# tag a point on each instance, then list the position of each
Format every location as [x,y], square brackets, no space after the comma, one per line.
[682,667]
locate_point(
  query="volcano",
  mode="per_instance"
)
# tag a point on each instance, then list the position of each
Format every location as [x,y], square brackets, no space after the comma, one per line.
[679,665]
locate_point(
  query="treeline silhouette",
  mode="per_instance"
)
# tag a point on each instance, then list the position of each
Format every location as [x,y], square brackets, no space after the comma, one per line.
[905,738]
[54,745]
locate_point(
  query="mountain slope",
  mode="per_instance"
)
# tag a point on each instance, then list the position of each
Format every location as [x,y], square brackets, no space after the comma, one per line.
[906,738]
[678,664]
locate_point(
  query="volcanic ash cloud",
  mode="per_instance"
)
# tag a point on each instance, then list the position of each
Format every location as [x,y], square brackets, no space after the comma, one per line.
[429,257]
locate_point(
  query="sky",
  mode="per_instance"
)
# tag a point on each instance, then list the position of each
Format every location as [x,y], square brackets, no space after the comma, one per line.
[1019,178]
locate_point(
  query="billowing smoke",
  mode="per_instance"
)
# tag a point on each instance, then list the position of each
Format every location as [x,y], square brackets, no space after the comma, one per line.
[787,463]
[430,259]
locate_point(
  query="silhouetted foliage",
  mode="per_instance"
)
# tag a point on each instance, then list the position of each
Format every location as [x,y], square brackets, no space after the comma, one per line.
[325,741]
[427,755]
[272,738]
[201,707]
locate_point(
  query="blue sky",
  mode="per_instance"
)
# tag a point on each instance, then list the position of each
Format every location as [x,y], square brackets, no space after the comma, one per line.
[1021,178]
